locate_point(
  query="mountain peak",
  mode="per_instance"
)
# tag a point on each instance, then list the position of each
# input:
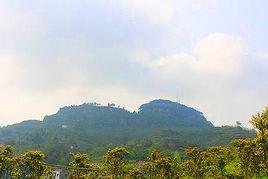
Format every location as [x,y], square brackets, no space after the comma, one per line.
[162,110]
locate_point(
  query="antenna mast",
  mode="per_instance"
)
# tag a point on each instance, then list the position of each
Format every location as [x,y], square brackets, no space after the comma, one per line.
[178,99]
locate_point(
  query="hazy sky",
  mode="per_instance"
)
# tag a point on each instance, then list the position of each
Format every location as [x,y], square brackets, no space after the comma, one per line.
[212,54]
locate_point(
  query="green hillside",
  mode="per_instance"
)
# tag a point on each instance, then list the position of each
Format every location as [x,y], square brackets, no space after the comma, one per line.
[91,128]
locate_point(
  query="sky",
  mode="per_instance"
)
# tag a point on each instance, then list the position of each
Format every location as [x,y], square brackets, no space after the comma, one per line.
[210,54]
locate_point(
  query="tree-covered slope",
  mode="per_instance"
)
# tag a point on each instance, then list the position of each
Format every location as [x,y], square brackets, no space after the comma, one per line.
[93,128]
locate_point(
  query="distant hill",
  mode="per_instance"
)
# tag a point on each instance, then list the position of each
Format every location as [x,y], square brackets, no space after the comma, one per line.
[92,128]
[170,114]
[156,113]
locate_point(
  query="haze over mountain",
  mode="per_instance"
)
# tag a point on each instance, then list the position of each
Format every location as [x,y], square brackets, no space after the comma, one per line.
[93,128]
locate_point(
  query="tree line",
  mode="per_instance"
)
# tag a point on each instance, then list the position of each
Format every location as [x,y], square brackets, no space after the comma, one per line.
[245,158]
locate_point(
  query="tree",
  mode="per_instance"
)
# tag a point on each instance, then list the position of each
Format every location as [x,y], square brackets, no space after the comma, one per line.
[158,165]
[80,167]
[79,164]
[218,158]
[33,165]
[249,155]
[196,165]
[136,173]
[6,161]
[260,122]
[116,160]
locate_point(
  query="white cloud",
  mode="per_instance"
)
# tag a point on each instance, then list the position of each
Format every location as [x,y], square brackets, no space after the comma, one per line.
[217,53]
[220,53]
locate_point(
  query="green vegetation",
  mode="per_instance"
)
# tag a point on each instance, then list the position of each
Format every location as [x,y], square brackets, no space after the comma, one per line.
[93,129]
[245,158]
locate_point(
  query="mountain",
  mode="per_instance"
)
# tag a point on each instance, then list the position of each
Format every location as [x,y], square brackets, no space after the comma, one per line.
[156,113]
[92,128]
[167,113]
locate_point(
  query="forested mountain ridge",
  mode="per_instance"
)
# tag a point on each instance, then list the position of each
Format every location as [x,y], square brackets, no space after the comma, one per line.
[92,128]
[156,113]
